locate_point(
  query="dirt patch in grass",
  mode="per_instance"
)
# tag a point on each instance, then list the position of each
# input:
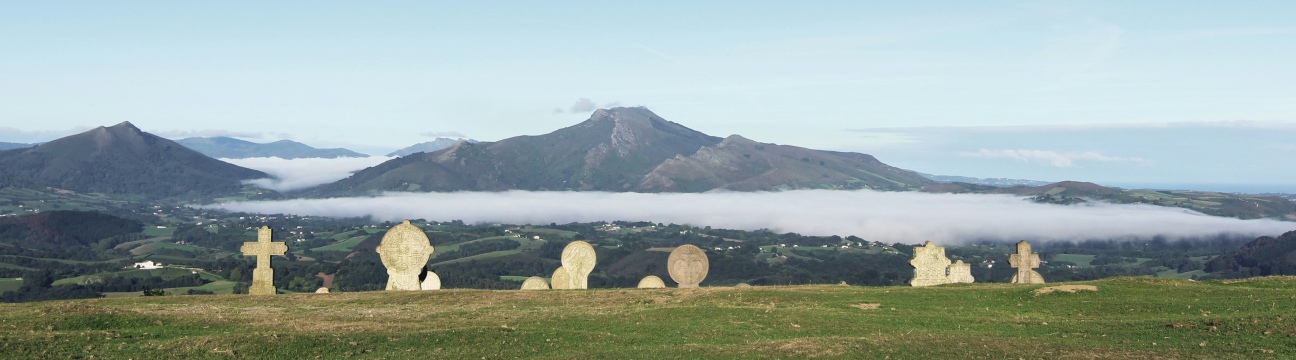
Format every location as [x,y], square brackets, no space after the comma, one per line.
[1064,288]
[867,306]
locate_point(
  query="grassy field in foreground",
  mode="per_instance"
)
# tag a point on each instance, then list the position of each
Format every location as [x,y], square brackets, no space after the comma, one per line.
[1126,318]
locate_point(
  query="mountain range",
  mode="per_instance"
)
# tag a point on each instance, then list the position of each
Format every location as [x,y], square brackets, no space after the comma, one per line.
[430,146]
[9,145]
[121,159]
[626,149]
[231,148]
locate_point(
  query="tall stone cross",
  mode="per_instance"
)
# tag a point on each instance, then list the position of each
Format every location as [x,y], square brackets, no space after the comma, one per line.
[1024,261]
[263,249]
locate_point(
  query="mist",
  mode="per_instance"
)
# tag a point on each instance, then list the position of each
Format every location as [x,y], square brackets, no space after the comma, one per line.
[904,217]
[297,174]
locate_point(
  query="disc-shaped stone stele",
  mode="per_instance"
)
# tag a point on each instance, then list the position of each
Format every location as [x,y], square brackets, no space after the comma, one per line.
[561,280]
[535,283]
[651,282]
[688,265]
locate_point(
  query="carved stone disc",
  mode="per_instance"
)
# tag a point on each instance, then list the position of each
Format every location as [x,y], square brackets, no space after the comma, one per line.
[688,265]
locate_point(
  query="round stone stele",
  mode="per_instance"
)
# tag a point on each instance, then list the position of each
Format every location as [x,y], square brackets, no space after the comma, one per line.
[404,250]
[322,290]
[432,282]
[561,280]
[651,282]
[688,265]
[579,259]
[535,283]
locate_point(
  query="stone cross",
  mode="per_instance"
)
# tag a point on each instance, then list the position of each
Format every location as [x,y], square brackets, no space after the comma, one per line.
[263,248]
[1024,261]
[687,265]
[930,265]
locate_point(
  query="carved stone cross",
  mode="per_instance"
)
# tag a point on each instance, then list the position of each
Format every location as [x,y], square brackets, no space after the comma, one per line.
[1024,261]
[263,249]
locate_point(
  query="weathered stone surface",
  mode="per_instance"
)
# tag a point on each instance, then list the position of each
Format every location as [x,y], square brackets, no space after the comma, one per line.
[688,265]
[431,282]
[322,290]
[651,282]
[579,260]
[929,264]
[1024,261]
[561,279]
[263,248]
[535,283]
[404,250]
[960,272]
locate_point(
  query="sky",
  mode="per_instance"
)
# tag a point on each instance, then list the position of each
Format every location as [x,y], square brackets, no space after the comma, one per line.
[1149,93]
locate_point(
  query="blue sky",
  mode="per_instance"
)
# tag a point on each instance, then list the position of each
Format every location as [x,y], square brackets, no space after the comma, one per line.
[1153,92]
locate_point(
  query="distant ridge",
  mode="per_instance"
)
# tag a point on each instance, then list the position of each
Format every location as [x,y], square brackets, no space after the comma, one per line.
[626,149]
[231,148]
[121,159]
[430,146]
[9,145]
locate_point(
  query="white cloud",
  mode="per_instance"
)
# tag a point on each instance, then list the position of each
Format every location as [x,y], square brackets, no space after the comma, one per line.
[448,134]
[1054,158]
[297,174]
[905,217]
[583,106]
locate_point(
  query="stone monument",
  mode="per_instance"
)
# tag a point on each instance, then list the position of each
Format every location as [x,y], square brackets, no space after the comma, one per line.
[561,280]
[404,250]
[579,259]
[1024,261]
[430,281]
[263,248]
[322,290]
[960,272]
[929,264]
[687,265]
[651,282]
[535,283]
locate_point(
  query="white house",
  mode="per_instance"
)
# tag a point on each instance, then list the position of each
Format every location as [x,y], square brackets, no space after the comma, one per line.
[145,265]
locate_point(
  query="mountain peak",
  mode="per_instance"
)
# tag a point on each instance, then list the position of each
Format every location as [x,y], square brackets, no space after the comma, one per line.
[125,126]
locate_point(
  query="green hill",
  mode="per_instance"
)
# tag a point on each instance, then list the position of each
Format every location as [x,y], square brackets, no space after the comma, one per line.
[1126,318]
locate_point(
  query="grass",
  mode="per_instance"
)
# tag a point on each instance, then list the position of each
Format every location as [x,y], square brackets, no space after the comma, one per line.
[10,284]
[344,245]
[165,273]
[1126,318]
[1080,260]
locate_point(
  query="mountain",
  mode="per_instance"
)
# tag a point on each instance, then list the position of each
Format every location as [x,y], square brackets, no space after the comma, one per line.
[1242,206]
[231,148]
[625,149]
[430,146]
[997,182]
[739,164]
[122,160]
[9,145]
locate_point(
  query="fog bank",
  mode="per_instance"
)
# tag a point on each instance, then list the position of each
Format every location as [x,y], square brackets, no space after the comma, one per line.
[297,174]
[906,217]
